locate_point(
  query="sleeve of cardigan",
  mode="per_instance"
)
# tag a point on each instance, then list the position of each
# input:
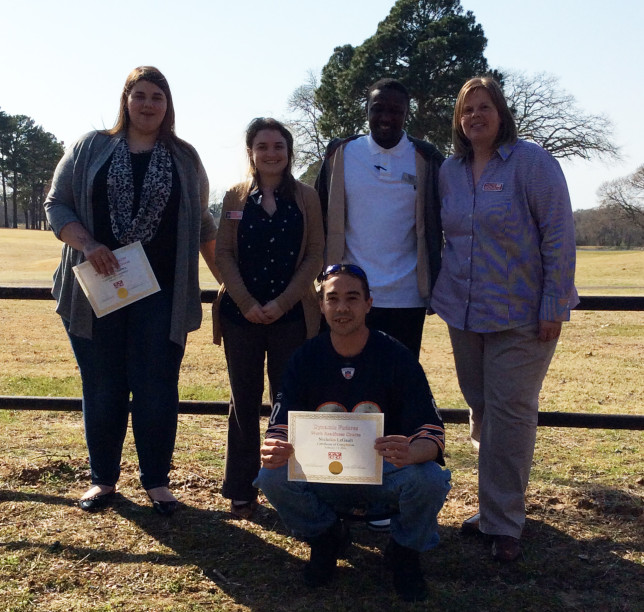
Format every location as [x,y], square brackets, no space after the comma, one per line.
[312,259]
[225,256]
[59,205]
[322,181]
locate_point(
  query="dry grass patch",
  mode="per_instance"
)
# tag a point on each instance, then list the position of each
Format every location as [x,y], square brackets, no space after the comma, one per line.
[582,547]
[30,258]
[610,272]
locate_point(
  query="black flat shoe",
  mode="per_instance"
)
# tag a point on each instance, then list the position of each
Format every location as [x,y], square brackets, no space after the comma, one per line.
[471,526]
[164,508]
[97,502]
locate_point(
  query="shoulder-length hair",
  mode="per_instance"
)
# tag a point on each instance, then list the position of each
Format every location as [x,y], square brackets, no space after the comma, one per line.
[154,76]
[507,129]
[287,185]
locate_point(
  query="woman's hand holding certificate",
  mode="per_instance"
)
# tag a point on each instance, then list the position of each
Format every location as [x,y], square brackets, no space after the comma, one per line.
[132,280]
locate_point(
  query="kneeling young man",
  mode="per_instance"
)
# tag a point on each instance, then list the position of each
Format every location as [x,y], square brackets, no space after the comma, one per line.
[348,367]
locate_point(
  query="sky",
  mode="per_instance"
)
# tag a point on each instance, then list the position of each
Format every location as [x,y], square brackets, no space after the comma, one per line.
[64,64]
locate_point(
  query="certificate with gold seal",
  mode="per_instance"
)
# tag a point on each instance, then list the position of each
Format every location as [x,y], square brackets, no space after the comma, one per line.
[133,280]
[335,447]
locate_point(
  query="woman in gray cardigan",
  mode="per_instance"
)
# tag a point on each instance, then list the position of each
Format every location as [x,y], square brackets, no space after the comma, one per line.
[137,181]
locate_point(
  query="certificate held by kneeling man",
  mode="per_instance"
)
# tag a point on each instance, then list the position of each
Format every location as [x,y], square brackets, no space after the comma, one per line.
[335,446]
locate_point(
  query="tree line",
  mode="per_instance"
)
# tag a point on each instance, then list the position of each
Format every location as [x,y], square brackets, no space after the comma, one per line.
[28,157]
[606,227]
[432,47]
[619,219]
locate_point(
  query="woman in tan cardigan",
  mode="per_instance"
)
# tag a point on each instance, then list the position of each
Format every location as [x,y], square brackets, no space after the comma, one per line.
[269,251]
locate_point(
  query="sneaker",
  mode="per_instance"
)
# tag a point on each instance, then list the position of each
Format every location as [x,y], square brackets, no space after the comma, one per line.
[408,577]
[325,551]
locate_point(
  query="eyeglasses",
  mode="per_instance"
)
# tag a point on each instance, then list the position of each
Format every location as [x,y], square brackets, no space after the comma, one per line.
[350,268]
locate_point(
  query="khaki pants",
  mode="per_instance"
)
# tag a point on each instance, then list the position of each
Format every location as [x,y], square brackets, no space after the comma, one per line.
[500,375]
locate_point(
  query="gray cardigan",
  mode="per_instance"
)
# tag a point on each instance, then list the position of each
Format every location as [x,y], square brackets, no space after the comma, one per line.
[70,199]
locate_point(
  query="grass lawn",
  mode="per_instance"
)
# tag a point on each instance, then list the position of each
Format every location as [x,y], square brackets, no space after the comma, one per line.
[583,543]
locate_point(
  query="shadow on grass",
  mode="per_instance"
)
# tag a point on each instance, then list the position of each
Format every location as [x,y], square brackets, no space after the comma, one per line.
[599,567]
[258,565]
[248,562]
[7,495]
[555,572]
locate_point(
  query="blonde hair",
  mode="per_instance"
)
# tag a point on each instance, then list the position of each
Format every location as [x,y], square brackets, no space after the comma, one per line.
[508,128]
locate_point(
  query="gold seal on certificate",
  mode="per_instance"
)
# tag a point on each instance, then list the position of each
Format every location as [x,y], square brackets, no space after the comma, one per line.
[335,447]
[133,281]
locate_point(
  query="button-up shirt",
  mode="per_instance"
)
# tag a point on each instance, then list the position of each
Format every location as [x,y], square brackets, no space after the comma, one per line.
[268,250]
[509,255]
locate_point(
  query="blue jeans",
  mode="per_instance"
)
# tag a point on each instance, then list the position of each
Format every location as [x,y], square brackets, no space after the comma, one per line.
[308,509]
[130,351]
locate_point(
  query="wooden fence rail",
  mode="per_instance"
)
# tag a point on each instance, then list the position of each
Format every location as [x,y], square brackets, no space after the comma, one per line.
[546,419]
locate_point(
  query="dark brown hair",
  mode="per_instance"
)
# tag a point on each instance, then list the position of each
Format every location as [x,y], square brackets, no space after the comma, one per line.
[507,130]
[286,187]
[153,75]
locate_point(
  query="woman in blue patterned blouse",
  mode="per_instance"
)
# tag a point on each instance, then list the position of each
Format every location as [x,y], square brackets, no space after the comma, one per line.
[505,286]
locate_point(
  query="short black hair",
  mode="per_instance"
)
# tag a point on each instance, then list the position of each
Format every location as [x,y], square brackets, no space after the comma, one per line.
[391,84]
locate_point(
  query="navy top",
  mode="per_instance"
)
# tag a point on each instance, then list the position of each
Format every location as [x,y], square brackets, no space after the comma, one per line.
[384,377]
[268,248]
[161,251]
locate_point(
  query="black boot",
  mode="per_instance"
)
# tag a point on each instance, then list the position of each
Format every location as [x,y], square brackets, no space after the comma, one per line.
[408,577]
[325,551]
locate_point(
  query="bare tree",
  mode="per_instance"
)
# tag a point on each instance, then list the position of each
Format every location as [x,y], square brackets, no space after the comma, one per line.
[637,179]
[625,196]
[551,117]
[304,122]
[216,202]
